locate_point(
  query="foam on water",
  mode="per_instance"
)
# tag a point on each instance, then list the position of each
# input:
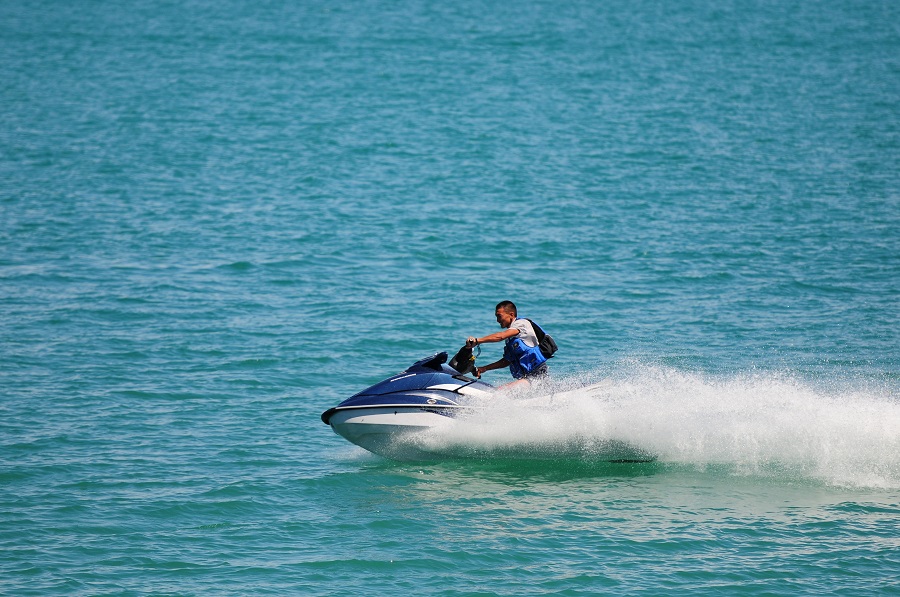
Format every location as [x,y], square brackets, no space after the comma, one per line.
[760,424]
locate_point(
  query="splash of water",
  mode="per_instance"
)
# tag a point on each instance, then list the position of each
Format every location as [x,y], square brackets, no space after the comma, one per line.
[752,424]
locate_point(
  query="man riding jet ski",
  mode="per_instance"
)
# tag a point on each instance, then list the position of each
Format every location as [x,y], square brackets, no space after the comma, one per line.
[432,409]
[396,418]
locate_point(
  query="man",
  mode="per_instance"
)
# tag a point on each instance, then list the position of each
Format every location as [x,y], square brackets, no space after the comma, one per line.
[522,354]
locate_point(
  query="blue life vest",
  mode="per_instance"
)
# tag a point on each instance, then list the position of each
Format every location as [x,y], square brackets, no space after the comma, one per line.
[522,359]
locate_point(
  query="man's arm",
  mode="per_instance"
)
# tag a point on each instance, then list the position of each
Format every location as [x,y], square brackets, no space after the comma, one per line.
[496,365]
[495,337]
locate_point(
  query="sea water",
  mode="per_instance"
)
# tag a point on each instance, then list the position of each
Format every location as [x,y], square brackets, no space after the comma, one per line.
[219,219]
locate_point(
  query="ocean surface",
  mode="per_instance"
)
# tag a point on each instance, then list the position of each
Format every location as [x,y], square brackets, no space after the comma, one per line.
[219,219]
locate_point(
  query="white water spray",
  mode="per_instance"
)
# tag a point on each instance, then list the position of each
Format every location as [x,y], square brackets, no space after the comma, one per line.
[754,424]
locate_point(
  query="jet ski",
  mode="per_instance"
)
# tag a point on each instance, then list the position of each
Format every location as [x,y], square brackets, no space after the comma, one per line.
[397,417]
[385,418]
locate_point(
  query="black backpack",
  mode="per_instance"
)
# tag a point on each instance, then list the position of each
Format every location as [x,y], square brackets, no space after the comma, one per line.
[545,341]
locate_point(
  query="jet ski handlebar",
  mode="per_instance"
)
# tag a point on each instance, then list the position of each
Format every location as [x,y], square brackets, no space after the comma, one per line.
[464,361]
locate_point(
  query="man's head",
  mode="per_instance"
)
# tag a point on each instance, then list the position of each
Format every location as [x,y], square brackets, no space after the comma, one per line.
[506,313]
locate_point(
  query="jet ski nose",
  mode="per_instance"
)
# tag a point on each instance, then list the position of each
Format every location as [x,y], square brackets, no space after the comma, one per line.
[326,416]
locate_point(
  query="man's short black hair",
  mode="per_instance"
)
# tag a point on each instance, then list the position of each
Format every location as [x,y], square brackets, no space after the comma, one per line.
[508,306]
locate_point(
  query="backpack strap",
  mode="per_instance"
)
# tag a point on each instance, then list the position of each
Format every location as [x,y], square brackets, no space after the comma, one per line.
[546,342]
[537,330]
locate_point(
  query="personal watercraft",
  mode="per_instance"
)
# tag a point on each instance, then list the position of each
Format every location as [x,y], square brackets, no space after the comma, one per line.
[427,395]
[395,418]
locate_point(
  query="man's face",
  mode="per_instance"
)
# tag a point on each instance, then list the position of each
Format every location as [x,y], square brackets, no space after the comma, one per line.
[504,318]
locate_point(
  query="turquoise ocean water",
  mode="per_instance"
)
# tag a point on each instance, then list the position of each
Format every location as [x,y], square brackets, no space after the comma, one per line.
[219,219]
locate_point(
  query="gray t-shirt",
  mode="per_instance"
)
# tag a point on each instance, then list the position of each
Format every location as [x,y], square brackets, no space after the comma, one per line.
[526,331]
